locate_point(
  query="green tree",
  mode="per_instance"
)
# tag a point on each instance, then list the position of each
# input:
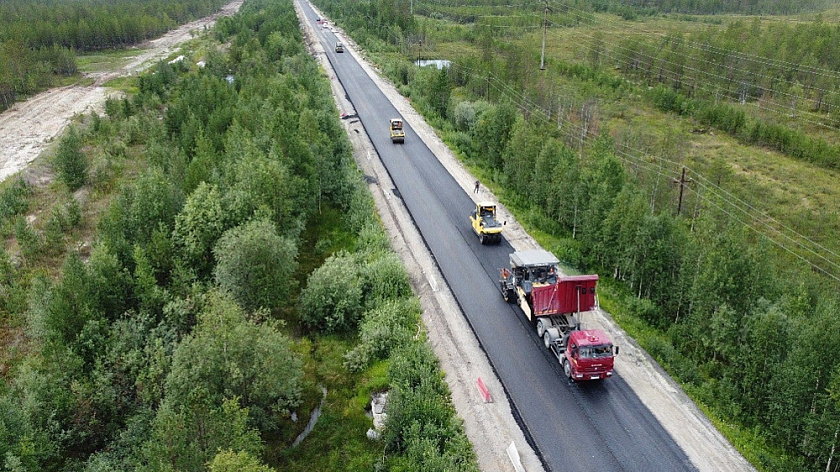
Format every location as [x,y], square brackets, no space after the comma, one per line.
[228,355]
[521,153]
[383,278]
[491,133]
[383,330]
[255,265]
[766,332]
[621,229]
[188,436]
[242,461]
[604,181]
[332,299]
[69,162]
[254,178]
[143,214]
[421,422]
[14,199]
[438,90]
[566,194]
[199,225]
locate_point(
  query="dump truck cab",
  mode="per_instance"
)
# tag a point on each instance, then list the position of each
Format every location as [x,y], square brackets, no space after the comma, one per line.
[589,355]
[485,224]
[396,129]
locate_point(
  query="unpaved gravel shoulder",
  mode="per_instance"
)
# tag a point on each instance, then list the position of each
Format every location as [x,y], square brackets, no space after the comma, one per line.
[28,128]
[491,427]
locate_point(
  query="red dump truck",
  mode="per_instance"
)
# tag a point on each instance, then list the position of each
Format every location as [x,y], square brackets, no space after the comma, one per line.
[553,303]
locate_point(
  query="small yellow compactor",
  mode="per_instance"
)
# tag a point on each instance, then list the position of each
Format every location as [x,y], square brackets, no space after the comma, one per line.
[397,131]
[485,224]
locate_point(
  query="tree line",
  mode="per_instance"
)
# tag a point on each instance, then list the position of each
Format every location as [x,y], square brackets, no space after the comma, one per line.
[715,7]
[189,331]
[784,70]
[39,40]
[89,25]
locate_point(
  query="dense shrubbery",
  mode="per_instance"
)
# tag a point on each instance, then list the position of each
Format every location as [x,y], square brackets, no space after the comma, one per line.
[421,421]
[229,356]
[332,299]
[384,329]
[255,265]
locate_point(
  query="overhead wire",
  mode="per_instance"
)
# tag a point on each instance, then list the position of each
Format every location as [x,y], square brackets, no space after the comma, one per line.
[751,57]
[769,104]
[715,191]
[761,218]
[782,246]
[742,73]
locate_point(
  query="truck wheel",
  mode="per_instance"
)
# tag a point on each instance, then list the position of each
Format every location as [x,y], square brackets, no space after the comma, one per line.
[481,238]
[567,369]
[547,340]
[540,328]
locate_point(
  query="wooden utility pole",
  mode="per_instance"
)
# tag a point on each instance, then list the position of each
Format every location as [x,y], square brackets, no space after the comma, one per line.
[682,183]
[545,29]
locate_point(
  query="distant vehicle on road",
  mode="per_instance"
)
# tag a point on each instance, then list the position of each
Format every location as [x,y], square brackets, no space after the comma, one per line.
[339,47]
[397,132]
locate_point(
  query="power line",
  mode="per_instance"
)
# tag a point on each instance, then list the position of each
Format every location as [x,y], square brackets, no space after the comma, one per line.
[762,219]
[735,70]
[770,104]
[751,57]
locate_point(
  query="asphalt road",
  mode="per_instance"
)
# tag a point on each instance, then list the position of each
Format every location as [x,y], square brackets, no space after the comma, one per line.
[588,427]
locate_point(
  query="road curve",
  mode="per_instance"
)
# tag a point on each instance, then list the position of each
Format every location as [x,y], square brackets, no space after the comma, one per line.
[601,426]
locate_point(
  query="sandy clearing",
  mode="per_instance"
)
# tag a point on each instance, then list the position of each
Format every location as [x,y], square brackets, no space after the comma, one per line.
[28,128]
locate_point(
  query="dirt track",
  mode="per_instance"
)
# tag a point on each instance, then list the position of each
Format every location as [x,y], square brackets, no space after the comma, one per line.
[28,128]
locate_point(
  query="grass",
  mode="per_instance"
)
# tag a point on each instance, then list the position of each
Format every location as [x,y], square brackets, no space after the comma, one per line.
[338,441]
[104,61]
[126,85]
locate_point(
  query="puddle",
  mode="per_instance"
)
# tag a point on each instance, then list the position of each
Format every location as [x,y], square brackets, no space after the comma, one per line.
[316,413]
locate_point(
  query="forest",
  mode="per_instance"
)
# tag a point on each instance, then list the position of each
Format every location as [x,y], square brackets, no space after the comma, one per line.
[39,40]
[206,272]
[734,291]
